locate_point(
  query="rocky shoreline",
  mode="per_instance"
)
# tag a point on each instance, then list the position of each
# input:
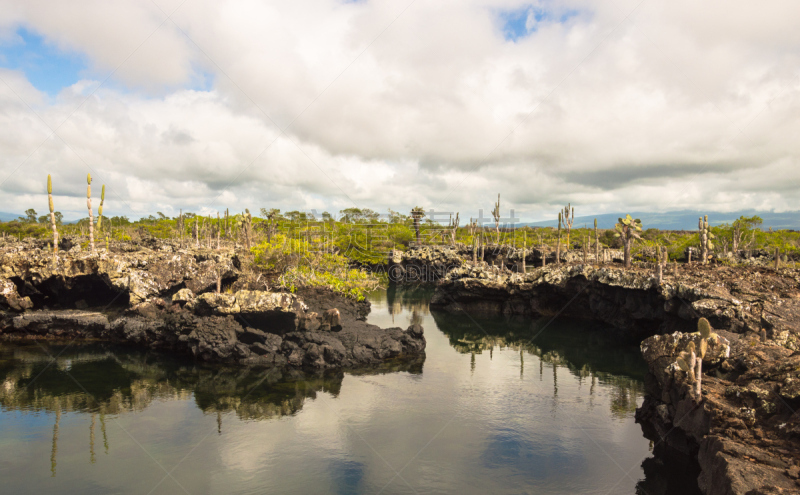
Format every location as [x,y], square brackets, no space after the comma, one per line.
[192,301]
[743,430]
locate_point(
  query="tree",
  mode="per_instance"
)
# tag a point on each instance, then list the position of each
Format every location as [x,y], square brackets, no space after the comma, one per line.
[45,219]
[350,215]
[30,216]
[296,216]
[627,230]
[370,215]
[741,226]
[272,213]
[397,217]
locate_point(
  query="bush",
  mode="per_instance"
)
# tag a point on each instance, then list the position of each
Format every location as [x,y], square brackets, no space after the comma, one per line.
[333,272]
[302,268]
[278,254]
[15,228]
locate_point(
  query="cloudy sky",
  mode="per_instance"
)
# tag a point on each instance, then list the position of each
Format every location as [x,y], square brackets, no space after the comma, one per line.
[328,104]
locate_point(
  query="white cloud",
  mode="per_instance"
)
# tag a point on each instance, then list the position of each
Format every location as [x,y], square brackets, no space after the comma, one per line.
[388,106]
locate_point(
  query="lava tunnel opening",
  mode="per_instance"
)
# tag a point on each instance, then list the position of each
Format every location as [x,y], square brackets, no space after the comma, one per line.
[80,292]
[276,322]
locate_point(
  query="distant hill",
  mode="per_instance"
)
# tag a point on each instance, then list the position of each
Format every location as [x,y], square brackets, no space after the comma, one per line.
[685,219]
[7,217]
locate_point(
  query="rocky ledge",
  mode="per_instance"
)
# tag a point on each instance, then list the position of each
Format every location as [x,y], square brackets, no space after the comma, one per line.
[743,429]
[737,299]
[195,301]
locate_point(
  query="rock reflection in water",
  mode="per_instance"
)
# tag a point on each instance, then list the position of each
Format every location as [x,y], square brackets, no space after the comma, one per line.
[102,379]
[588,352]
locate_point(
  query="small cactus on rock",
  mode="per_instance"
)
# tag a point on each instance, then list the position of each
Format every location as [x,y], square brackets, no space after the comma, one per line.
[691,359]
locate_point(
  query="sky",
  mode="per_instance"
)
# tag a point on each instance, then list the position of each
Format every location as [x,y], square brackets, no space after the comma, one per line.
[620,105]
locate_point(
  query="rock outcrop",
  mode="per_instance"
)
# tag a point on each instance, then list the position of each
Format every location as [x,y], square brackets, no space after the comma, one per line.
[423,264]
[183,300]
[734,299]
[743,430]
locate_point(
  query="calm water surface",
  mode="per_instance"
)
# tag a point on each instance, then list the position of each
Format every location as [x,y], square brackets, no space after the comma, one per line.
[487,410]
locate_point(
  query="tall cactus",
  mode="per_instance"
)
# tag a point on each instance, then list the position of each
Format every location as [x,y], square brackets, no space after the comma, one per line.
[596,243]
[568,220]
[628,229]
[100,208]
[52,216]
[226,226]
[558,242]
[248,225]
[416,215]
[89,206]
[705,239]
[496,216]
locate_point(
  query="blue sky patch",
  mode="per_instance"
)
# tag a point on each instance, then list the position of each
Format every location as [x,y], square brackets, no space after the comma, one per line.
[47,67]
[521,22]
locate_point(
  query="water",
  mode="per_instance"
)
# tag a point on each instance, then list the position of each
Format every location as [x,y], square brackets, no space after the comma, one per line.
[487,410]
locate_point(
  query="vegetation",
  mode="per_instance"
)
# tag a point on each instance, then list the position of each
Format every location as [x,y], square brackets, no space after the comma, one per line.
[301,247]
[299,266]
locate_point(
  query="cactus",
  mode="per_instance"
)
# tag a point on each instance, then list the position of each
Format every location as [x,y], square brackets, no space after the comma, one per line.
[52,217]
[628,229]
[416,215]
[248,225]
[453,228]
[568,220]
[705,239]
[692,363]
[558,244]
[89,206]
[596,243]
[100,208]
[496,216]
